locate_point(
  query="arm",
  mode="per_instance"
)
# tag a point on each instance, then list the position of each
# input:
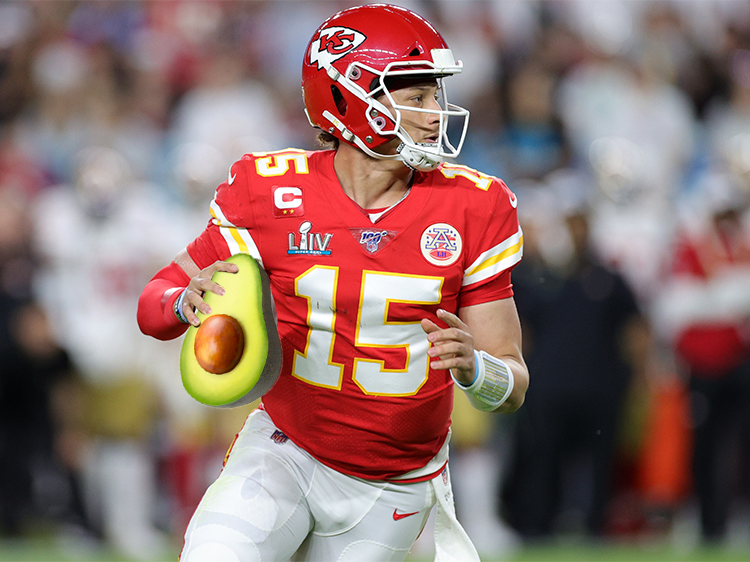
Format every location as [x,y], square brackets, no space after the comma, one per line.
[492,327]
[156,306]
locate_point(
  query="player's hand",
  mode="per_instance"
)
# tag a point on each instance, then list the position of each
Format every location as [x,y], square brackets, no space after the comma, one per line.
[453,346]
[198,286]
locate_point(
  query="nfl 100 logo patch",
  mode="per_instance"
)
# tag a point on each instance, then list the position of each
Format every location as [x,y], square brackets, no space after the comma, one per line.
[372,240]
[441,244]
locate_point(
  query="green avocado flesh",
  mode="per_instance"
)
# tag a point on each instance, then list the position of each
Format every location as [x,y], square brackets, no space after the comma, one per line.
[243,300]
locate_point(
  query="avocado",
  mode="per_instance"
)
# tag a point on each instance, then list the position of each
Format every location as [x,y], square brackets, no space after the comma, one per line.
[255,353]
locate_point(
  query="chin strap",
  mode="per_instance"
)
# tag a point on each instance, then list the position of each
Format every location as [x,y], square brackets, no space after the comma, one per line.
[416,159]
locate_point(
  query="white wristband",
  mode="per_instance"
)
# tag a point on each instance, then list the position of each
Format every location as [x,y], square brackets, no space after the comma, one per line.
[492,383]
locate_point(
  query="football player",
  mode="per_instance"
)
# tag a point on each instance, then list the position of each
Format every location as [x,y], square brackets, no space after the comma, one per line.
[390,272]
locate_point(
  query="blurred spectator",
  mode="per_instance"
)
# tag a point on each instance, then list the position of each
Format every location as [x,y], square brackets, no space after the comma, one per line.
[36,482]
[518,134]
[728,118]
[228,110]
[636,131]
[579,319]
[53,127]
[98,240]
[15,81]
[25,423]
[704,312]
[88,96]
[533,142]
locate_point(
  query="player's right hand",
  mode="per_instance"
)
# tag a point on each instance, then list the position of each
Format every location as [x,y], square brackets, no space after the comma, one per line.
[452,347]
[199,284]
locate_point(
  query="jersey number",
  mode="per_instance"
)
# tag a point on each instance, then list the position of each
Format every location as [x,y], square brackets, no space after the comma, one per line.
[482,181]
[272,164]
[374,330]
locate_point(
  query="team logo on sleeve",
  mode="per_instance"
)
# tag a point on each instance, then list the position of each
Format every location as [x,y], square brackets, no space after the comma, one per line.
[333,43]
[288,202]
[441,244]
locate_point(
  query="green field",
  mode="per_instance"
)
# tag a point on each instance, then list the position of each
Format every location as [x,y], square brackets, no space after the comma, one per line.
[50,551]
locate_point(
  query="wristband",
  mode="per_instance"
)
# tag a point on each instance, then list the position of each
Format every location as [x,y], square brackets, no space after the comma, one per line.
[492,384]
[178,307]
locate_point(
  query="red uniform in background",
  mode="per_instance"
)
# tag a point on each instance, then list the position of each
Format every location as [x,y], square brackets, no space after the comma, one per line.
[707,306]
[716,340]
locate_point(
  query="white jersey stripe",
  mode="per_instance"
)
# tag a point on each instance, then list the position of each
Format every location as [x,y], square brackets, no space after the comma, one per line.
[238,240]
[248,244]
[218,215]
[496,259]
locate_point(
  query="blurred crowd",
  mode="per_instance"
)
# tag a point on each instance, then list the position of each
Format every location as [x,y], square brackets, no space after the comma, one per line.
[623,128]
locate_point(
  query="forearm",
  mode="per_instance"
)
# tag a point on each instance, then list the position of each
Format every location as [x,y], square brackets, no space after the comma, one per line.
[498,385]
[156,315]
[497,332]
[520,385]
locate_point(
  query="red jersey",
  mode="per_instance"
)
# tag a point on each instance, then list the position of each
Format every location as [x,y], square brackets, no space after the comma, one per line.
[356,389]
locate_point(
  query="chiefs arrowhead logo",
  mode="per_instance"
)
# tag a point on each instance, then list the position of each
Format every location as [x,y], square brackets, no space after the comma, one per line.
[333,43]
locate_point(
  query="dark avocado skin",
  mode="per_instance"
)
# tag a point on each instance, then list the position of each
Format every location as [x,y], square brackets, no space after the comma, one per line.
[247,298]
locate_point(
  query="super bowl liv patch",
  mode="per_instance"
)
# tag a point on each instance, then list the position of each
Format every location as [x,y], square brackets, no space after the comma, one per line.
[307,242]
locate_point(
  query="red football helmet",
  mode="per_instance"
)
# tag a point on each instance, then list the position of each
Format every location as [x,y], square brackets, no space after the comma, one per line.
[346,67]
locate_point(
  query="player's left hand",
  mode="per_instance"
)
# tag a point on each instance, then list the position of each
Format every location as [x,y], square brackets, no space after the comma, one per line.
[453,346]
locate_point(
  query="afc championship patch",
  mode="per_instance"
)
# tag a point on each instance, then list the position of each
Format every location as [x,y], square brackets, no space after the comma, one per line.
[441,244]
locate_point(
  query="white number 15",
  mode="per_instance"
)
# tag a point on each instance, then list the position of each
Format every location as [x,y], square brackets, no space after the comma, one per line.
[315,365]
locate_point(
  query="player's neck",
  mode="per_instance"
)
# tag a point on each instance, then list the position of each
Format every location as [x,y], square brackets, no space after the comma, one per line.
[369,182]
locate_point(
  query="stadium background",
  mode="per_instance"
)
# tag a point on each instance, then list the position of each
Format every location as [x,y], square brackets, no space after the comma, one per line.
[119,118]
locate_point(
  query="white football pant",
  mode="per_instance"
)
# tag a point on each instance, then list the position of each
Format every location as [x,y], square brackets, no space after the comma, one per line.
[273,502]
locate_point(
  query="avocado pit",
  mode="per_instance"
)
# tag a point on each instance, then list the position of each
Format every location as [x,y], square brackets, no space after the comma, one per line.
[219,343]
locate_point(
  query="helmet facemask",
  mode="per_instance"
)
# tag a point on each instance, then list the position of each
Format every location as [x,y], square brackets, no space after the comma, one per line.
[386,122]
[422,156]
